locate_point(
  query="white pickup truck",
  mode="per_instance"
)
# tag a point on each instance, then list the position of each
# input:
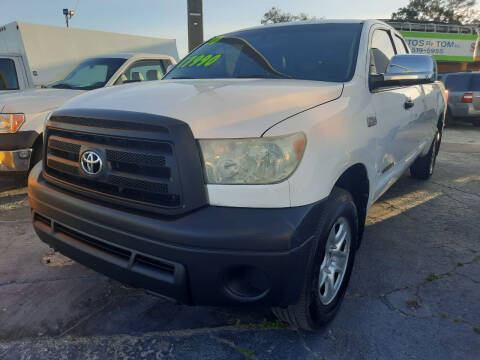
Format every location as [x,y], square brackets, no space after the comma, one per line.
[23,114]
[245,176]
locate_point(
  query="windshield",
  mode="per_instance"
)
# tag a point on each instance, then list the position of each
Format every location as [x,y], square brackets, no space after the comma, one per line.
[8,75]
[90,74]
[323,52]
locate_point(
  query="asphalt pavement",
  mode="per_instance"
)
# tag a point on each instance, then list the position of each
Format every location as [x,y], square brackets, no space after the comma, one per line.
[414,292]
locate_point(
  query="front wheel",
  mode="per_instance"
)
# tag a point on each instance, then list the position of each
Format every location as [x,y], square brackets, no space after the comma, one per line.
[423,167]
[330,265]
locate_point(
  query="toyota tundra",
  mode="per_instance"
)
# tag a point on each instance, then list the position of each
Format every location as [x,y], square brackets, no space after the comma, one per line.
[245,176]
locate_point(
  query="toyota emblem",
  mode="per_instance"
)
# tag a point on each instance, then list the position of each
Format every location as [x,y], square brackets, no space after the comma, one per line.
[91,163]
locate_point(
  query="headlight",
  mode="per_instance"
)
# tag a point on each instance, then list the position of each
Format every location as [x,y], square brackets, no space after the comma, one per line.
[10,123]
[264,160]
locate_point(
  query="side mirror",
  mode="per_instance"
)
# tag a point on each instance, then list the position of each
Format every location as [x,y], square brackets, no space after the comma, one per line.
[170,67]
[405,70]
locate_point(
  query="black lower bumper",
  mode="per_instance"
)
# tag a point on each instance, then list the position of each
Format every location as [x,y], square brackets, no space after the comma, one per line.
[212,256]
[18,140]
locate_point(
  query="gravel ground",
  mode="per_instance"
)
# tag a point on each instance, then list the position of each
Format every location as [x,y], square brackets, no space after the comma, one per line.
[414,292]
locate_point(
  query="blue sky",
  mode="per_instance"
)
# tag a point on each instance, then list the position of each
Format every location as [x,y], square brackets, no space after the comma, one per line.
[167,18]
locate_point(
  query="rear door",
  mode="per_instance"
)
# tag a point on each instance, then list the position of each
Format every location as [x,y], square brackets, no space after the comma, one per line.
[422,117]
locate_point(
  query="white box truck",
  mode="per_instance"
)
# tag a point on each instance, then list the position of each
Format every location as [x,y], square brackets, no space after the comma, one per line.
[33,55]
[41,67]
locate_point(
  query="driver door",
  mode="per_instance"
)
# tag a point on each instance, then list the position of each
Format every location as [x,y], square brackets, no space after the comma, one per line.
[393,106]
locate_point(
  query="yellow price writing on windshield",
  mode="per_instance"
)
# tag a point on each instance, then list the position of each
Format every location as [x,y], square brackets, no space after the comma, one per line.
[215,40]
[204,60]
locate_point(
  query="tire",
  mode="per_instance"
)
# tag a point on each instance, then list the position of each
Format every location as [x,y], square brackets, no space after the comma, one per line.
[449,119]
[316,305]
[424,166]
[476,123]
[439,140]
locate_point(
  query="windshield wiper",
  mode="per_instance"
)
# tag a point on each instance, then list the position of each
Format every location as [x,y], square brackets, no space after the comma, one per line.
[258,77]
[180,77]
[62,86]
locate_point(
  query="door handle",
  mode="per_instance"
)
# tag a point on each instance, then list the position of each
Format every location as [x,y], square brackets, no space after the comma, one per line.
[371,121]
[408,104]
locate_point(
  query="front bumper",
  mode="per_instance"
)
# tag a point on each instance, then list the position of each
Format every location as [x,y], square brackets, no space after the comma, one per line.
[212,256]
[15,160]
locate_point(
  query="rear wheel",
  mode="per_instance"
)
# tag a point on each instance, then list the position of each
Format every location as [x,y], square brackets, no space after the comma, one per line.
[423,167]
[330,265]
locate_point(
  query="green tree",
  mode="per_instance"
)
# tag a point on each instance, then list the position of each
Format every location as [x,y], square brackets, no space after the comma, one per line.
[446,11]
[275,15]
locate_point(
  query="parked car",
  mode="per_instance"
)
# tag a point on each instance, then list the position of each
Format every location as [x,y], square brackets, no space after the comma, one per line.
[463,97]
[22,115]
[33,55]
[245,176]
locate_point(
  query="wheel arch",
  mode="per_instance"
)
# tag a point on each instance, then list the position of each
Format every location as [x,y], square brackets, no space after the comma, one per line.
[355,180]
[441,121]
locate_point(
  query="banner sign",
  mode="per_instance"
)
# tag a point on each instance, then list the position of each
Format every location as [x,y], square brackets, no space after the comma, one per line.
[446,47]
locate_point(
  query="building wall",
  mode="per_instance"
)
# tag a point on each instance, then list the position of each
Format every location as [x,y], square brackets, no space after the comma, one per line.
[454,66]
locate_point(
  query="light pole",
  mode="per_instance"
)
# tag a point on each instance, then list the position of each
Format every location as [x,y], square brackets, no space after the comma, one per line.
[195,23]
[68,15]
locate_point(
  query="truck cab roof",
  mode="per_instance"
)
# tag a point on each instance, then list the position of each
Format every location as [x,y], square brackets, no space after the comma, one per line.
[322,21]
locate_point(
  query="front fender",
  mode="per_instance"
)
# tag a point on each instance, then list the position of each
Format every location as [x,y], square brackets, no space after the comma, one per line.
[337,138]
[35,121]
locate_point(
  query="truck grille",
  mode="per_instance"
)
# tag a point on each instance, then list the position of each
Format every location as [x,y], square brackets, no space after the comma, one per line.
[139,164]
[137,171]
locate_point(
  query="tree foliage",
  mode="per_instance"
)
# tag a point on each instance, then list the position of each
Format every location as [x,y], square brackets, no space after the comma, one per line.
[275,15]
[445,11]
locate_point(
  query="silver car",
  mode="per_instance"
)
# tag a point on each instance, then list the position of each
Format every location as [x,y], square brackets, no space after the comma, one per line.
[464,96]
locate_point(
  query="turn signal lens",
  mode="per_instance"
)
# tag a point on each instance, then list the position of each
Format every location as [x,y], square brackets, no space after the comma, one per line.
[467,98]
[10,123]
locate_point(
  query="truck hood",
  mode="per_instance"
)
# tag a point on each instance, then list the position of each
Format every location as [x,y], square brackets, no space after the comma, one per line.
[5,92]
[215,108]
[35,100]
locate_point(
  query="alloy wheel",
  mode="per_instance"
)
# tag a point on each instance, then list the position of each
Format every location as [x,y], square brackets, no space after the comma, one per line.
[335,261]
